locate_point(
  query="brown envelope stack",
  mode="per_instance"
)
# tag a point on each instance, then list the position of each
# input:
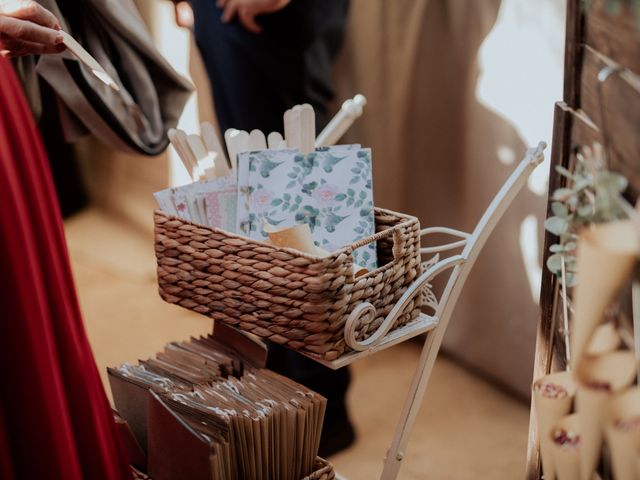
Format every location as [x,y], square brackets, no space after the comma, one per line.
[203,411]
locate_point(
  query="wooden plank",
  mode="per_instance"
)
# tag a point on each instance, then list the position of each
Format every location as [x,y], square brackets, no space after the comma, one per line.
[546,327]
[618,99]
[571,128]
[573,39]
[615,36]
[593,39]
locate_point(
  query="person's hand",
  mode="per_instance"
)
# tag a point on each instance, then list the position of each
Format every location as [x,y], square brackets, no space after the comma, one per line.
[184,14]
[247,10]
[27,28]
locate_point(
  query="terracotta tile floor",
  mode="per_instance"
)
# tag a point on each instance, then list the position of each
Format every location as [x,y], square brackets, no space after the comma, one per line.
[466,429]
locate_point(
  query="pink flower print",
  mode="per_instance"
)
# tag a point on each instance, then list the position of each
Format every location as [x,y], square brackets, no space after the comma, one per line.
[325,194]
[261,200]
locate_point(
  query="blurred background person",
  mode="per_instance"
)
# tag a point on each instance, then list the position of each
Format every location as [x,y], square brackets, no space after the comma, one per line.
[263,57]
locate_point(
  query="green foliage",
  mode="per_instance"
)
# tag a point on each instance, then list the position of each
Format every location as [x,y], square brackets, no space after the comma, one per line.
[590,197]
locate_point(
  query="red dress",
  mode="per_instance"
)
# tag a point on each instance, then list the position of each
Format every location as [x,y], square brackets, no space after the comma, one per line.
[55,420]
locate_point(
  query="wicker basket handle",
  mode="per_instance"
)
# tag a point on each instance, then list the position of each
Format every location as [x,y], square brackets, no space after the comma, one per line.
[398,244]
[396,233]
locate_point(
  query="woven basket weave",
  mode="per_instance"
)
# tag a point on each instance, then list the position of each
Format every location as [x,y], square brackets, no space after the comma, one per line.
[323,471]
[294,299]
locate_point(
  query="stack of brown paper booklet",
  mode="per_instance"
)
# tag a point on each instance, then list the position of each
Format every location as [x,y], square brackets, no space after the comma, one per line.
[203,411]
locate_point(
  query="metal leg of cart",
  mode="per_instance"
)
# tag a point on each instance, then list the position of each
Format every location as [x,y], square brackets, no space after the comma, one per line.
[435,326]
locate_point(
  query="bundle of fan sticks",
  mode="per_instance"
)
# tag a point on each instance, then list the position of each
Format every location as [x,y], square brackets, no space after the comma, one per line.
[204,158]
[212,415]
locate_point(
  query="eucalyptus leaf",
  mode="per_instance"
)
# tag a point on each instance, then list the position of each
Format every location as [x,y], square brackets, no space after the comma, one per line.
[559,209]
[621,181]
[564,172]
[562,193]
[585,210]
[556,225]
[572,280]
[583,183]
[570,246]
[554,263]
[556,248]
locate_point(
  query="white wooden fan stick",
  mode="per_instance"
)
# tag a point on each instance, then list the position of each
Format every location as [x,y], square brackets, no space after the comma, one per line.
[288,127]
[212,142]
[275,141]
[336,128]
[292,127]
[81,54]
[183,141]
[257,140]
[184,156]
[206,160]
[238,141]
[307,129]
[243,144]
[231,141]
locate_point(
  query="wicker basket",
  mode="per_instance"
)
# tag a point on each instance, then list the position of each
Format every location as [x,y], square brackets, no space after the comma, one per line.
[294,299]
[323,471]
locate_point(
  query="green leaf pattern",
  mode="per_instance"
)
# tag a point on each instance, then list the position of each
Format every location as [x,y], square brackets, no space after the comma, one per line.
[330,190]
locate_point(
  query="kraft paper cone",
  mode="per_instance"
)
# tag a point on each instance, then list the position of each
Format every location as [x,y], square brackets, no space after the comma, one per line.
[566,457]
[615,371]
[605,258]
[300,238]
[624,443]
[605,339]
[548,412]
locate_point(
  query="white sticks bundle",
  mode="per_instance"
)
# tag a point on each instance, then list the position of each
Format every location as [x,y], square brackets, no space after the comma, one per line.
[204,158]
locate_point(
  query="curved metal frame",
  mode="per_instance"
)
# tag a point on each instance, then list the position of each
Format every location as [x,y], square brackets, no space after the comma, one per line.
[461,265]
[366,309]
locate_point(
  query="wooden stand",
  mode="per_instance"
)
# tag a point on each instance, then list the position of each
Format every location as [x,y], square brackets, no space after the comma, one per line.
[435,326]
[598,105]
[459,265]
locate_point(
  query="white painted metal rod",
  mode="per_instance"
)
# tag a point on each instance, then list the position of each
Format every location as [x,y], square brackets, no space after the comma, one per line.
[336,128]
[445,230]
[443,248]
[447,304]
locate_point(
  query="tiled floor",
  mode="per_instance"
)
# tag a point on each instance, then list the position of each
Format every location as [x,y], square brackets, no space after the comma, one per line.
[466,429]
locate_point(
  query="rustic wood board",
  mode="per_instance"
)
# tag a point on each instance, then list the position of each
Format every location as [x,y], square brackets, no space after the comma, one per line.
[617,99]
[594,40]
[615,36]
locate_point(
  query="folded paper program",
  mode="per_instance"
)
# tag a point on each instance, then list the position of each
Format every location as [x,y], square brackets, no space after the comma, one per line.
[329,189]
[209,202]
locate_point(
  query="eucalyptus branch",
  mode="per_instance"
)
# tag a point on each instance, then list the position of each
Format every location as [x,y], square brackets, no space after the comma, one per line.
[590,197]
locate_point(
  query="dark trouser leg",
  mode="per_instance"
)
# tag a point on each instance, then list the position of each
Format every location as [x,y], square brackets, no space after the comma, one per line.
[254,79]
